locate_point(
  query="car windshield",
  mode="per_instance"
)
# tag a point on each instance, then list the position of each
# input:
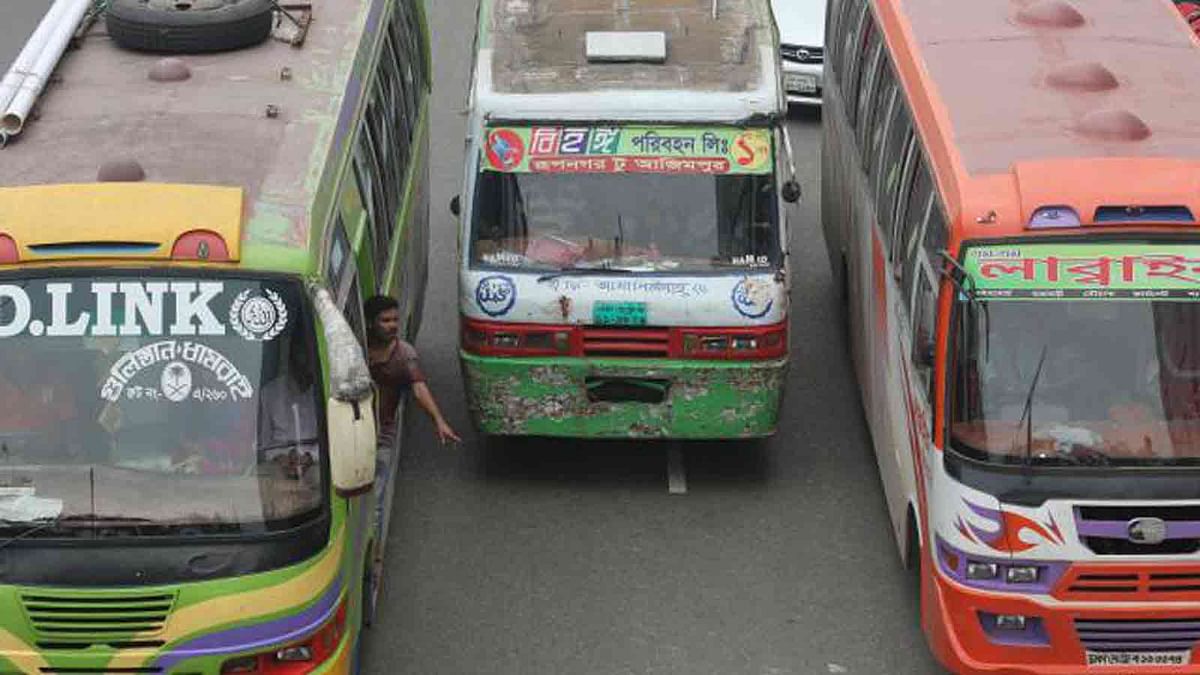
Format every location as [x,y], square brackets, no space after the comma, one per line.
[641,222]
[158,405]
[1078,382]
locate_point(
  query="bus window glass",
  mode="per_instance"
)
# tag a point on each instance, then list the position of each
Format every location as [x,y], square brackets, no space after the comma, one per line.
[936,237]
[651,222]
[880,112]
[867,90]
[162,405]
[892,164]
[924,323]
[1118,383]
[857,49]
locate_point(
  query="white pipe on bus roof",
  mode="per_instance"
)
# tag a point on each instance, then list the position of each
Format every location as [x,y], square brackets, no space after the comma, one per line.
[28,56]
[35,80]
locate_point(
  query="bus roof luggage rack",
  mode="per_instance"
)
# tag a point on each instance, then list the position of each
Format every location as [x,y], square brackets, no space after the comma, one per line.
[626,46]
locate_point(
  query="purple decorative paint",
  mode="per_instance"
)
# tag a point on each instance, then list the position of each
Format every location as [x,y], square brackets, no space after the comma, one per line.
[1049,572]
[258,636]
[1119,529]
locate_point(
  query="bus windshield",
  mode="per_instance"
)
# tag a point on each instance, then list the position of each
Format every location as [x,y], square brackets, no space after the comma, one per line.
[157,405]
[1078,382]
[640,222]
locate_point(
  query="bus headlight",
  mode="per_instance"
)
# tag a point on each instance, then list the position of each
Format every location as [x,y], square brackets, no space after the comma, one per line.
[982,570]
[1021,574]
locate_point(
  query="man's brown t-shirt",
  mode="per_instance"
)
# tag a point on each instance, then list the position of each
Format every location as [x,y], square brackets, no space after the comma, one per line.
[394,374]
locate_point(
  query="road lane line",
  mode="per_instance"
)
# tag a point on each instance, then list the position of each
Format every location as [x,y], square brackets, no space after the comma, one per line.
[676,475]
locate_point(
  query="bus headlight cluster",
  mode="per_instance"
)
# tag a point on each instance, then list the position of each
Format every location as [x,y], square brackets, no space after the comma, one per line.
[978,570]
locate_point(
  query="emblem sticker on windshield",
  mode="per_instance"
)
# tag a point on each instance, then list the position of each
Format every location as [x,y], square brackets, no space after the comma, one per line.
[258,318]
[496,295]
[176,383]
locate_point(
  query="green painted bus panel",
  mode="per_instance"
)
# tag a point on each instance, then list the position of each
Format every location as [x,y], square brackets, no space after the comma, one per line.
[335,572]
[549,397]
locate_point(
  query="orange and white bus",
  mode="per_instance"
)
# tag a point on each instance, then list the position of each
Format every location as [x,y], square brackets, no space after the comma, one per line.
[1010,200]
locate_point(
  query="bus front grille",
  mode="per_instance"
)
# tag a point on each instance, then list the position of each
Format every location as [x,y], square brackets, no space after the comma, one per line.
[1120,583]
[1106,530]
[92,619]
[627,342]
[1141,635]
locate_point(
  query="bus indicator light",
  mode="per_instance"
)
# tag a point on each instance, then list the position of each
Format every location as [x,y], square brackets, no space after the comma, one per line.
[1050,217]
[200,245]
[8,250]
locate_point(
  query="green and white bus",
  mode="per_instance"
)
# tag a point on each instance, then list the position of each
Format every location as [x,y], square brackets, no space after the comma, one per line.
[189,477]
[624,261]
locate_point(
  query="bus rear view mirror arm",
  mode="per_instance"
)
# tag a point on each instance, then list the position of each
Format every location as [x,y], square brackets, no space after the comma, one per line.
[791,187]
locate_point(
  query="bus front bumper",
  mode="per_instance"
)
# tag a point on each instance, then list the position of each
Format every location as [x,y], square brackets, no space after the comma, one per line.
[623,398]
[960,626]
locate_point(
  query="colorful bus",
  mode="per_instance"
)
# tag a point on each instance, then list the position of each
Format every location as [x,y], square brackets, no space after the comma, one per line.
[189,477]
[1010,205]
[624,267]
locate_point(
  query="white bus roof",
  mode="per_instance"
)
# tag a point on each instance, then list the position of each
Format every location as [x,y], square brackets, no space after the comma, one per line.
[722,61]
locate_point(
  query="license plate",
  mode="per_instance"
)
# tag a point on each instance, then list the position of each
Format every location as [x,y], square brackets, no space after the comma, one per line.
[799,82]
[1104,659]
[619,314]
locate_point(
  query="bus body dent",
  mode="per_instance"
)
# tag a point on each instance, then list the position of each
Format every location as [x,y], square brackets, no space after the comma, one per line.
[549,397]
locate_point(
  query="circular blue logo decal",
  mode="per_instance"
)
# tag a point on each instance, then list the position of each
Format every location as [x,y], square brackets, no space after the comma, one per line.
[495,295]
[745,303]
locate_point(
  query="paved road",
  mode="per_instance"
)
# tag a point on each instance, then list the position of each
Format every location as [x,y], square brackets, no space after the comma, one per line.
[567,558]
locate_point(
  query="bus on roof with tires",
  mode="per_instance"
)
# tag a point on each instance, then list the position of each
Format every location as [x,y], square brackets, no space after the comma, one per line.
[190,479]
[1011,208]
[624,260]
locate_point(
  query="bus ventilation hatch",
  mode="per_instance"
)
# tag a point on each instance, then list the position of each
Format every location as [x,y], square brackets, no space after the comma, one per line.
[627,342]
[1141,635]
[124,620]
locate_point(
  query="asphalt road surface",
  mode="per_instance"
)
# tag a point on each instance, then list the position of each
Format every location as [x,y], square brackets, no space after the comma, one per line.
[560,558]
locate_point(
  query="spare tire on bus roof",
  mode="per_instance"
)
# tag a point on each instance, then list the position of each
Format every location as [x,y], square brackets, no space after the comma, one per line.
[189,26]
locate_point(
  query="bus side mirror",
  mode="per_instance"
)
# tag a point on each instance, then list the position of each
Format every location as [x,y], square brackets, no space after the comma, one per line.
[455,207]
[791,191]
[351,428]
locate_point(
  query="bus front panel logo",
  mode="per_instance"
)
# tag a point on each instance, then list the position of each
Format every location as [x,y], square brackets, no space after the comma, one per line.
[495,295]
[1147,530]
[750,300]
[505,150]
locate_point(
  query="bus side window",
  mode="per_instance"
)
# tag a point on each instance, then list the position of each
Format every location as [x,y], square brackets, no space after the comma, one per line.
[936,237]
[921,197]
[893,162]
[868,80]
[341,277]
[924,325]
[878,117]
[857,50]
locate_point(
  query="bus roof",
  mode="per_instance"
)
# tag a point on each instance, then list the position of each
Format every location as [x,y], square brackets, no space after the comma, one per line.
[1043,90]
[721,61]
[263,119]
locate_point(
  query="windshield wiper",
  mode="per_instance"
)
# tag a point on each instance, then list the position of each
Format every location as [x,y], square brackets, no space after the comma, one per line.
[579,271]
[1027,411]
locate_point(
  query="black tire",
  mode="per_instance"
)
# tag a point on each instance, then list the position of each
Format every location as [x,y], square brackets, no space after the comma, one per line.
[180,28]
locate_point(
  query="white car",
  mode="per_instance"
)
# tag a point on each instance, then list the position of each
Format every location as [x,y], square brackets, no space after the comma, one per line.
[802,34]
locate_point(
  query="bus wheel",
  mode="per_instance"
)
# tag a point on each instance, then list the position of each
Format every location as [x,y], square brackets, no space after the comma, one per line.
[189,26]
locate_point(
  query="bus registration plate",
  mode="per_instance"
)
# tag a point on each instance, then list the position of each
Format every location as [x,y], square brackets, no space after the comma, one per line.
[619,314]
[800,83]
[1103,659]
